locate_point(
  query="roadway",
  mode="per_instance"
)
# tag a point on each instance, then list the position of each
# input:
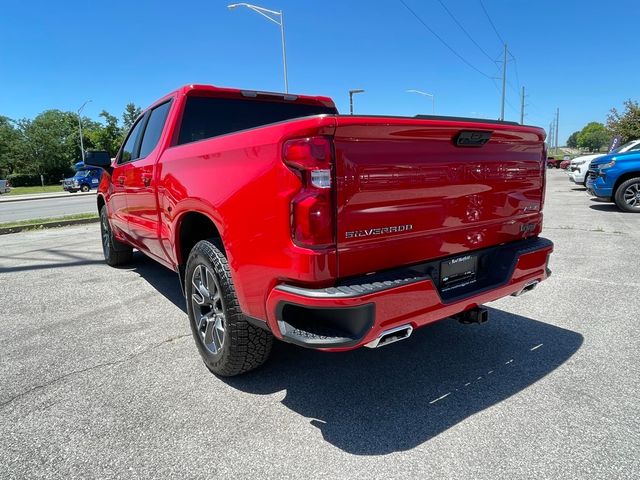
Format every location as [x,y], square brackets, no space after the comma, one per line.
[11,211]
[101,377]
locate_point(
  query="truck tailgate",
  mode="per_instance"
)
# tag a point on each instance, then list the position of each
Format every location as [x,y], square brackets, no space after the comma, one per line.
[408,192]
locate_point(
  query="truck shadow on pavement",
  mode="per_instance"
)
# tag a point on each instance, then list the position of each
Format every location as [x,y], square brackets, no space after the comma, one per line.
[162,279]
[375,402]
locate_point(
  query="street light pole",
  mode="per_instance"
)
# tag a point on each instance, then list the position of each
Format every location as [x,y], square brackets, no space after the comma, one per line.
[269,15]
[80,127]
[425,94]
[351,93]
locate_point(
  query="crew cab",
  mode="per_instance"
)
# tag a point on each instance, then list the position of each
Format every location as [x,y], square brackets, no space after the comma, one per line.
[284,219]
[617,177]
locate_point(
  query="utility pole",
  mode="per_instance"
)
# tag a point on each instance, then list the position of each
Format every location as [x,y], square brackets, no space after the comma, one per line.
[550,138]
[522,107]
[504,81]
[557,126]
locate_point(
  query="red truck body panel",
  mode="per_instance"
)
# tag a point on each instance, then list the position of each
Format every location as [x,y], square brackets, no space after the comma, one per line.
[409,173]
[387,172]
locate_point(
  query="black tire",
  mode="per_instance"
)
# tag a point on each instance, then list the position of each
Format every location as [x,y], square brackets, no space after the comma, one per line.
[84,188]
[72,191]
[115,252]
[212,306]
[627,196]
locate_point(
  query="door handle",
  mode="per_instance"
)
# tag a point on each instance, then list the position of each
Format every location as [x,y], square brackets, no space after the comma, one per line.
[146,179]
[120,180]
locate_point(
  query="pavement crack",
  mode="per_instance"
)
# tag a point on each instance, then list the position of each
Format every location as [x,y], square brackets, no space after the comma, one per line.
[112,363]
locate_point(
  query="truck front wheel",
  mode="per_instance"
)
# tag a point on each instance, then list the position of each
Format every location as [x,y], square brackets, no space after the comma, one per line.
[228,344]
[115,253]
[627,196]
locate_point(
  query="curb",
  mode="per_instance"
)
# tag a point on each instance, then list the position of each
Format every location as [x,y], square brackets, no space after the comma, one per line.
[44,196]
[59,223]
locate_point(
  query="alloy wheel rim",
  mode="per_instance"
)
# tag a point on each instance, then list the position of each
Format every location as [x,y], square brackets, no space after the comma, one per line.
[632,195]
[208,311]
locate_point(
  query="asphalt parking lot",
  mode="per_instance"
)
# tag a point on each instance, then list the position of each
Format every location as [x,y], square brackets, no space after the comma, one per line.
[101,379]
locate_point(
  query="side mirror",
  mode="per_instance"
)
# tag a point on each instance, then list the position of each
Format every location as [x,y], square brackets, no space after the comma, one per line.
[100,159]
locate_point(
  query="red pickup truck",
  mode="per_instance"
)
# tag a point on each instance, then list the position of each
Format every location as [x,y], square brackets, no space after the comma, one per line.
[285,219]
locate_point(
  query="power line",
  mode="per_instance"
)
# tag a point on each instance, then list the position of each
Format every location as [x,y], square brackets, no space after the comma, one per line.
[465,31]
[491,22]
[443,42]
[515,65]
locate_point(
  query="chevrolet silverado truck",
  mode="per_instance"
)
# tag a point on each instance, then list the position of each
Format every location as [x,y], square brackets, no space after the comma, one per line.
[284,219]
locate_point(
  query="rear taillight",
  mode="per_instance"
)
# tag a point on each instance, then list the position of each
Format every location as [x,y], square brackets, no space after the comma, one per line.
[312,209]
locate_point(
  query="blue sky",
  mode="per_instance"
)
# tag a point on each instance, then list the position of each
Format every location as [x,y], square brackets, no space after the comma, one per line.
[573,54]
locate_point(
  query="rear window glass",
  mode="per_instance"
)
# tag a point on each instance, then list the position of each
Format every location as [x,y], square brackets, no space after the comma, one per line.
[206,117]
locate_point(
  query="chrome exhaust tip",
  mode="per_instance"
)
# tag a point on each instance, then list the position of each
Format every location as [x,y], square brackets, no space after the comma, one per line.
[527,288]
[391,336]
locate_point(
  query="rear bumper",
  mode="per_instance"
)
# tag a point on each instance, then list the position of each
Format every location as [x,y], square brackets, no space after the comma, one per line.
[357,311]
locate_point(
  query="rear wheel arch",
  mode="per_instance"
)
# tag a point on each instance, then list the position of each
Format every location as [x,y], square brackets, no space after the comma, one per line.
[192,227]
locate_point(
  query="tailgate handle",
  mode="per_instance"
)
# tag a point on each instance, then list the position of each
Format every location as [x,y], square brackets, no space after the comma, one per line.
[472,138]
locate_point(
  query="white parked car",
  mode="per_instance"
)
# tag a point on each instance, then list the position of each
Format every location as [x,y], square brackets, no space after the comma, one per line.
[580,165]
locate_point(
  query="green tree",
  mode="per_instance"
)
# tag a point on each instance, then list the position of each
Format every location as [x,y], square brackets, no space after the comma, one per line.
[593,136]
[130,115]
[50,143]
[627,123]
[10,140]
[572,141]
[107,136]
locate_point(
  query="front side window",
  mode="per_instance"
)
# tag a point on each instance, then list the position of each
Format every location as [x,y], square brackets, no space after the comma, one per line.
[154,127]
[131,147]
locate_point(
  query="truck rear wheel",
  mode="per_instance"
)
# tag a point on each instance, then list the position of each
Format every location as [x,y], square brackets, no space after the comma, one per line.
[627,196]
[115,253]
[228,344]
[84,188]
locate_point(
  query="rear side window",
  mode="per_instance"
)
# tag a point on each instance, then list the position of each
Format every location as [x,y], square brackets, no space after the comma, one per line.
[154,127]
[130,150]
[206,117]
